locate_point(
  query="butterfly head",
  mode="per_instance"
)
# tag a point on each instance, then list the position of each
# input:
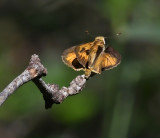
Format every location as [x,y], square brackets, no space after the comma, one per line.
[100,39]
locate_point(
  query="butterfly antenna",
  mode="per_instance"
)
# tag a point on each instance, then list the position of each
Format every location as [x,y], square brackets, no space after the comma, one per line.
[114,36]
[87,32]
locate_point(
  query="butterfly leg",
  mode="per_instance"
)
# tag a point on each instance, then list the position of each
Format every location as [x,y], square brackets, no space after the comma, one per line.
[87,73]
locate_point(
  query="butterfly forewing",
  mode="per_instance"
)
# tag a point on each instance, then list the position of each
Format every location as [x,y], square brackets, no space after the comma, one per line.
[82,53]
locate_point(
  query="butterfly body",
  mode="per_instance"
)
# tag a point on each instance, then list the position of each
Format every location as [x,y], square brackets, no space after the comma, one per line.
[92,57]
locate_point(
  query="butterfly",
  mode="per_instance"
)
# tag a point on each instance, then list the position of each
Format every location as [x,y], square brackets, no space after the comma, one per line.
[92,57]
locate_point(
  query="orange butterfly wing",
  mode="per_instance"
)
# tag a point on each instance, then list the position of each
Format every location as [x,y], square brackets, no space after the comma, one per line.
[82,53]
[110,58]
[69,58]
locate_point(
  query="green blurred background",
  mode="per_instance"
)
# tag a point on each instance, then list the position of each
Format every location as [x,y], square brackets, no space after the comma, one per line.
[120,103]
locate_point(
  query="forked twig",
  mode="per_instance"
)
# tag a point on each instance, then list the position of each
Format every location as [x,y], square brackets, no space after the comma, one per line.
[51,92]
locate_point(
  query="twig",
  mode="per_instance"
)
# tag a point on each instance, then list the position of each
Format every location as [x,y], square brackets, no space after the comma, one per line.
[51,93]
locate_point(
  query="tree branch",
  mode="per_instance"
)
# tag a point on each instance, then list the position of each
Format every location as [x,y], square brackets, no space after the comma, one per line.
[51,92]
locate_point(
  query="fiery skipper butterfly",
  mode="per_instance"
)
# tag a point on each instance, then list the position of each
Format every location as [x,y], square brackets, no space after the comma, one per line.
[92,57]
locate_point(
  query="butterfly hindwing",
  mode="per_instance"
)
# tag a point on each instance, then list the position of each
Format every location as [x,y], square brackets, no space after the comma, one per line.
[110,58]
[70,59]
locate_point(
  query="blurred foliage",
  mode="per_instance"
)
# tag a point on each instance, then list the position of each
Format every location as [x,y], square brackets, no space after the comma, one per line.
[120,103]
